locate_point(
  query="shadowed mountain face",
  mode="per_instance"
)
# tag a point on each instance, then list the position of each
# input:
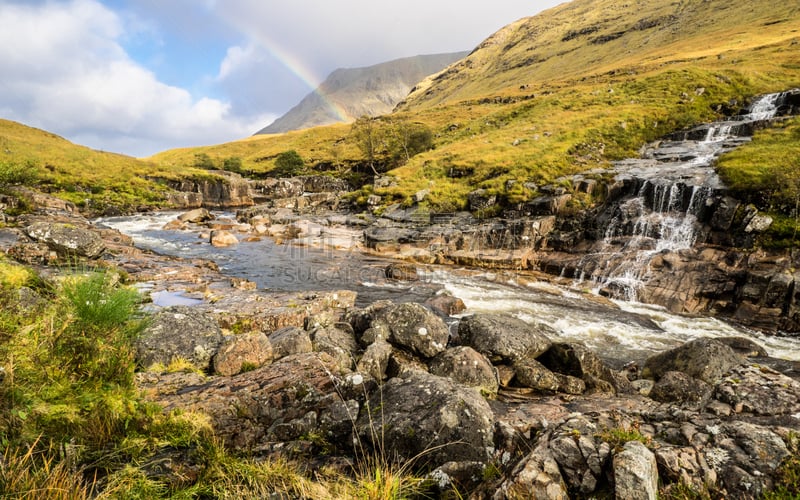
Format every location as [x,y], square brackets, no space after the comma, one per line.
[349,93]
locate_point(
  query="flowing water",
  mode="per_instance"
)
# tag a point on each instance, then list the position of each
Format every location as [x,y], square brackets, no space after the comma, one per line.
[620,331]
[662,217]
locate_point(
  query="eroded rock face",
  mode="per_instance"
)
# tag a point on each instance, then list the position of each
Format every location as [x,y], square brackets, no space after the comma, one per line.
[503,338]
[179,332]
[578,361]
[430,417]
[635,473]
[245,351]
[67,239]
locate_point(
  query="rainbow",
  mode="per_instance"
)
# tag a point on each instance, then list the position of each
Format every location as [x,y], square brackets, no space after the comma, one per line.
[298,67]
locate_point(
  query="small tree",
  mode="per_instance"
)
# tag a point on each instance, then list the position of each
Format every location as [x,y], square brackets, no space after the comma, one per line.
[232,164]
[409,139]
[202,160]
[288,164]
[369,138]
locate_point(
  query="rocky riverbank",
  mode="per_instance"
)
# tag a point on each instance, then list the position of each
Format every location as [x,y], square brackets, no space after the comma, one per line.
[493,406]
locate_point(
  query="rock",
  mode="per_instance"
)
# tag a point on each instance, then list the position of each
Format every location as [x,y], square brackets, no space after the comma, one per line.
[401,272]
[530,373]
[179,332]
[67,240]
[704,358]
[340,343]
[536,476]
[468,367]
[222,238]
[375,359]
[578,361]
[744,346]
[681,465]
[572,446]
[429,419]
[481,199]
[290,340]
[242,352]
[503,338]
[375,236]
[758,224]
[635,473]
[760,391]
[446,305]
[324,184]
[196,216]
[273,189]
[174,225]
[416,328]
[677,387]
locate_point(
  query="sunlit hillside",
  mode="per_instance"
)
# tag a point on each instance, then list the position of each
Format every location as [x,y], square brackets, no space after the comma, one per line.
[567,91]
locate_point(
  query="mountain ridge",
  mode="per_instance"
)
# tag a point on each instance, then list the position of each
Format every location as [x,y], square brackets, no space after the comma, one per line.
[348,93]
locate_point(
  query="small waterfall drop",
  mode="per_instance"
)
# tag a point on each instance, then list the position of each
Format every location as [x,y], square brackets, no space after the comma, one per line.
[674,179]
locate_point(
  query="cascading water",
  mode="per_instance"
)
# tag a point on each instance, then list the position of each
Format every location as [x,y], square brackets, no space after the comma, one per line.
[675,179]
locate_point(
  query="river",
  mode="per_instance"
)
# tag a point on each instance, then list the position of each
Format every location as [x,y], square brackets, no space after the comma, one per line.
[619,330]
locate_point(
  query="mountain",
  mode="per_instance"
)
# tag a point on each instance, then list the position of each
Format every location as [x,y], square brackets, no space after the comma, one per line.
[349,93]
[589,38]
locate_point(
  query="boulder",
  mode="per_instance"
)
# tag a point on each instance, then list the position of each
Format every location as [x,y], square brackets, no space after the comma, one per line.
[401,272]
[179,332]
[677,387]
[446,305]
[196,216]
[416,328]
[468,367]
[340,343]
[67,240]
[504,338]
[290,340]
[577,360]
[572,446]
[375,359]
[635,473]
[535,476]
[481,199]
[530,373]
[222,238]
[704,358]
[427,418]
[242,352]
[759,391]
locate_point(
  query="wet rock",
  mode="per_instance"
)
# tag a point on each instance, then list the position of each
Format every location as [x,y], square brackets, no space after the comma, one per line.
[401,272]
[375,236]
[504,338]
[290,340]
[677,387]
[416,328]
[578,361]
[242,352]
[222,238]
[468,367]
[704,358]
[67,239]
[635,473]
[744,346]
[196,216]
[179,332]
[446,305]
[433,418]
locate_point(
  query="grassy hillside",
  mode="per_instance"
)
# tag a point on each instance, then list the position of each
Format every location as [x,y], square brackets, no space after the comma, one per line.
[91,179]
[564,92]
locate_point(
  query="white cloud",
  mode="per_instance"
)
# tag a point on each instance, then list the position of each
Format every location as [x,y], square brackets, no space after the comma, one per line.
[65,71]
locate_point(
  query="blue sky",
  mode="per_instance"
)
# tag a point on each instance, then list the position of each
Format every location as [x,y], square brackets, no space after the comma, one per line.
[142,76]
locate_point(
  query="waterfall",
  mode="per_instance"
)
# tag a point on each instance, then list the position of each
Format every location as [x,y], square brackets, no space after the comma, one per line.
[664,214]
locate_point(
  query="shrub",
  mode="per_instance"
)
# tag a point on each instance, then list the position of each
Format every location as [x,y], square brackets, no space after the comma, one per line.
[288,164]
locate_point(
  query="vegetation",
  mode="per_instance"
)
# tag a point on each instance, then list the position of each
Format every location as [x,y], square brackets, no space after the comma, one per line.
[288,164]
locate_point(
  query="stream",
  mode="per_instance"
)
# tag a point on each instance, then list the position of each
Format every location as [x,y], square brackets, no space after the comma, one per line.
[619,330]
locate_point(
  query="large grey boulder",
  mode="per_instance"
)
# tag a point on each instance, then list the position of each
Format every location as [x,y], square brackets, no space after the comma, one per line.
[340,343]
[67,240]
[677,387]
[179,332]
[428,417]
[290,340]
[704,358]
[635,473]
[196,216]
[468,367]
[416,328]
[504,338]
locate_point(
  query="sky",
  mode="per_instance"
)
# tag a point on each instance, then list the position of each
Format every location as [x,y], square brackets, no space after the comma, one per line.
[142,76]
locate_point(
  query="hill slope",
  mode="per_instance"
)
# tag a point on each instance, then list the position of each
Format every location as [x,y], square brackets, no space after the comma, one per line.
[349,93]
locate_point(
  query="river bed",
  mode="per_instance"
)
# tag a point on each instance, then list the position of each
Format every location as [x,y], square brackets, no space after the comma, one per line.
[618,330]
